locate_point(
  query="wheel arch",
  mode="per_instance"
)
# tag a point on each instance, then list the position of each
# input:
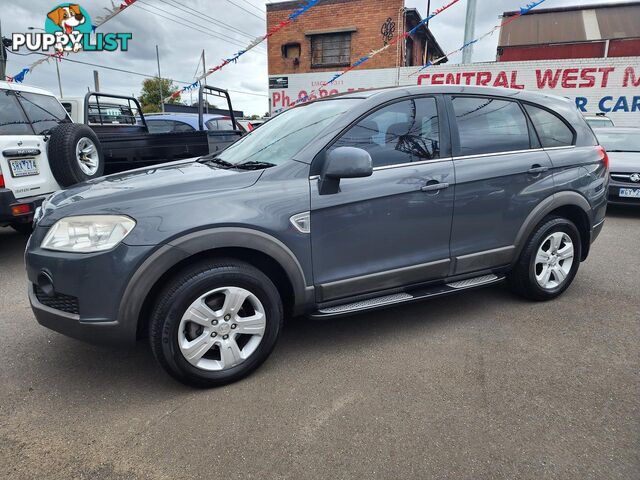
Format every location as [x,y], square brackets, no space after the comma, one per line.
[261,250]
[570,205]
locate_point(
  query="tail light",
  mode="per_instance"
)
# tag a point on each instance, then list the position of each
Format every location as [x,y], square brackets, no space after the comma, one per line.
[2,185]
[603,156]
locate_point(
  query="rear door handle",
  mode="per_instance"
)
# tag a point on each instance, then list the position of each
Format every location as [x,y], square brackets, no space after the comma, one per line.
[434,187]
[536,169]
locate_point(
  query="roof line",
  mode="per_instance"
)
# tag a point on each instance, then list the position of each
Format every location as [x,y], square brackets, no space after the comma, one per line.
[573,8]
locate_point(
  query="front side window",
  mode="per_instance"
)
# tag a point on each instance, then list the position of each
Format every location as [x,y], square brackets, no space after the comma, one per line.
[279,139]
[12,119]
[489,125]
[44,111]
[404,132]
[552,131]
[331,50]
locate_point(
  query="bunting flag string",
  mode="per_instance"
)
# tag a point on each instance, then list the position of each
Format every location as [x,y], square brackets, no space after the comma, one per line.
[373,53]
[293,16]
[109,13]
[523,11]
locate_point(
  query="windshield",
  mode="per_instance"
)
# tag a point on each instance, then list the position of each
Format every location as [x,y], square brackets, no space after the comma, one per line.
[599,122]
[279,139]
[620,141]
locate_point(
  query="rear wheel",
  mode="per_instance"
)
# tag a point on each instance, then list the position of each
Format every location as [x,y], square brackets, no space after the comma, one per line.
[215,323]
[549,261]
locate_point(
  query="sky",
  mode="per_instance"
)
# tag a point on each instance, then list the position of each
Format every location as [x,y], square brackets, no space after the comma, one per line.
[182,29]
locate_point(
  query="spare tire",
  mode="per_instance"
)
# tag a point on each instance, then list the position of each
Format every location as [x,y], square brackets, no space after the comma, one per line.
[74,154]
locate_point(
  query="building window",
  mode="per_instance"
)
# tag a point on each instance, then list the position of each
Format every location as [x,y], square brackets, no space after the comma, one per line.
[331,50]
[291,50]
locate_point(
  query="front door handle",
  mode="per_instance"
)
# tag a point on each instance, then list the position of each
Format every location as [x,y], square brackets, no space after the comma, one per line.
[434,187]
[537,169]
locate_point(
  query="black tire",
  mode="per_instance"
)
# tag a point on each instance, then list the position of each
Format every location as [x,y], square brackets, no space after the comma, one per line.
[25,228]
[185,288]
[522,279]
[63,160]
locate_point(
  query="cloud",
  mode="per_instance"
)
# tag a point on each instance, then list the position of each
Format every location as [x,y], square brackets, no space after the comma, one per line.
[183,28]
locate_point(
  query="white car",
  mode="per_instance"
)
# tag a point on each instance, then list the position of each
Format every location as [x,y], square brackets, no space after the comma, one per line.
[42,151]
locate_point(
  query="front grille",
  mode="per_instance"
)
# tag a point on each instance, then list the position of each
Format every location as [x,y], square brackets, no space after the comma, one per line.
[58,301]
[625,178]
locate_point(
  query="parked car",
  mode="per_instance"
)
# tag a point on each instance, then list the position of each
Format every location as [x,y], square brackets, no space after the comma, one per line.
[623,147]
[599,121]
[34,161]
[343,205]
[250,125]
[189,122]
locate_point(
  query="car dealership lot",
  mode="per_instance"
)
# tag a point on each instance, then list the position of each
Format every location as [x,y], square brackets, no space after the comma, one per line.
[482,385]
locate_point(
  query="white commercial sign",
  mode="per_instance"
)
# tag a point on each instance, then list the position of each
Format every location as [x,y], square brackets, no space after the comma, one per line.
[607,85]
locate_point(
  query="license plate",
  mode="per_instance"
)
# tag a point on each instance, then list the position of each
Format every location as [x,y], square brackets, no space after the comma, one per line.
[630,192]
[23,167]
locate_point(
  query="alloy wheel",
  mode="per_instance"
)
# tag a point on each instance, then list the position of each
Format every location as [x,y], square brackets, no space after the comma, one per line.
[554,260]
[222,328]
[87,156]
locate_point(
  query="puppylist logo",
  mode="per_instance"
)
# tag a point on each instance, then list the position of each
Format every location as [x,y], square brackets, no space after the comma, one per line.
[68,28]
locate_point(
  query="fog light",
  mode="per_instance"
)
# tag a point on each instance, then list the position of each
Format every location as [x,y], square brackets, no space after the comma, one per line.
[46,284]
[21,209]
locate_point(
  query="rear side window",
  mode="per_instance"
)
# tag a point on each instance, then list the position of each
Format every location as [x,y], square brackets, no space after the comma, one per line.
[552,131]
[404,132]
[44,111]
[12,119]
[489,125]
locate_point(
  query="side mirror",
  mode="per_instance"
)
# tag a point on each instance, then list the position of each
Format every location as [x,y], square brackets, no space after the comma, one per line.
[344,162]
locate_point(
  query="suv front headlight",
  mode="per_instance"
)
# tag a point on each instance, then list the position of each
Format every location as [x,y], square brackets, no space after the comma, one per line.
[88,233]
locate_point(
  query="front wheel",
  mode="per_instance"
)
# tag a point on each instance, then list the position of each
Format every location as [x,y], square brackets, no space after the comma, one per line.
[549,261]
[215,323]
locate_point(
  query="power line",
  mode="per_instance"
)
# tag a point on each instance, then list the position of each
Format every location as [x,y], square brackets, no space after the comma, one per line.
[137,4]
[199,14]
[254,6]
[249,12]
[128,71]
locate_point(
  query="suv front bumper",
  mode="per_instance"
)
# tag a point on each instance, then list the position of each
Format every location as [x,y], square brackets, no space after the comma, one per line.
[80,295]
[9,215]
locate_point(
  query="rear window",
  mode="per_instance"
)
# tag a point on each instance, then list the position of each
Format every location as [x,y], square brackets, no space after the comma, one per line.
[111,114]
[44,111]
[551,130]
[219,124]
[12,119]
[489,125]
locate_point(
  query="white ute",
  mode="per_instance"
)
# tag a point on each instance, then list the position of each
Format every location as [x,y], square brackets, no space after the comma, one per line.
[41,151]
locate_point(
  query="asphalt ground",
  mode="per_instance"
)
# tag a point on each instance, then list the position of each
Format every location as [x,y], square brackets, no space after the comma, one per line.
[482,385]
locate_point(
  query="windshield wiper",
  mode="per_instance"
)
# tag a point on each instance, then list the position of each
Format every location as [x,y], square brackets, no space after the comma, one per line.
[254,165]
[216,161]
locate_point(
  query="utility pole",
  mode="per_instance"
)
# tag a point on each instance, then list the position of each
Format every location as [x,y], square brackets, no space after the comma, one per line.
[3,58]
[160,80]
[469,31]
[96,80]
[57,62]
[426,37]
[204,72]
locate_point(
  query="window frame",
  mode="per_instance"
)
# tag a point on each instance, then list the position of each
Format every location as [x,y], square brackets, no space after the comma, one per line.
[443,124]
[523,103]
[328,64]
[534,140]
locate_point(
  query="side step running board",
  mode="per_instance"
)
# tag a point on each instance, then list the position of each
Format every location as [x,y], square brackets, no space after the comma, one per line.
[403,297]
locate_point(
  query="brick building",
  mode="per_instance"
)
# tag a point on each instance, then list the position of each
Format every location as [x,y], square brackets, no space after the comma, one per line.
[335,33]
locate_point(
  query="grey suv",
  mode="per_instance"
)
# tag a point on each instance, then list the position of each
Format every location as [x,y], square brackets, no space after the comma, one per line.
[343,205]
